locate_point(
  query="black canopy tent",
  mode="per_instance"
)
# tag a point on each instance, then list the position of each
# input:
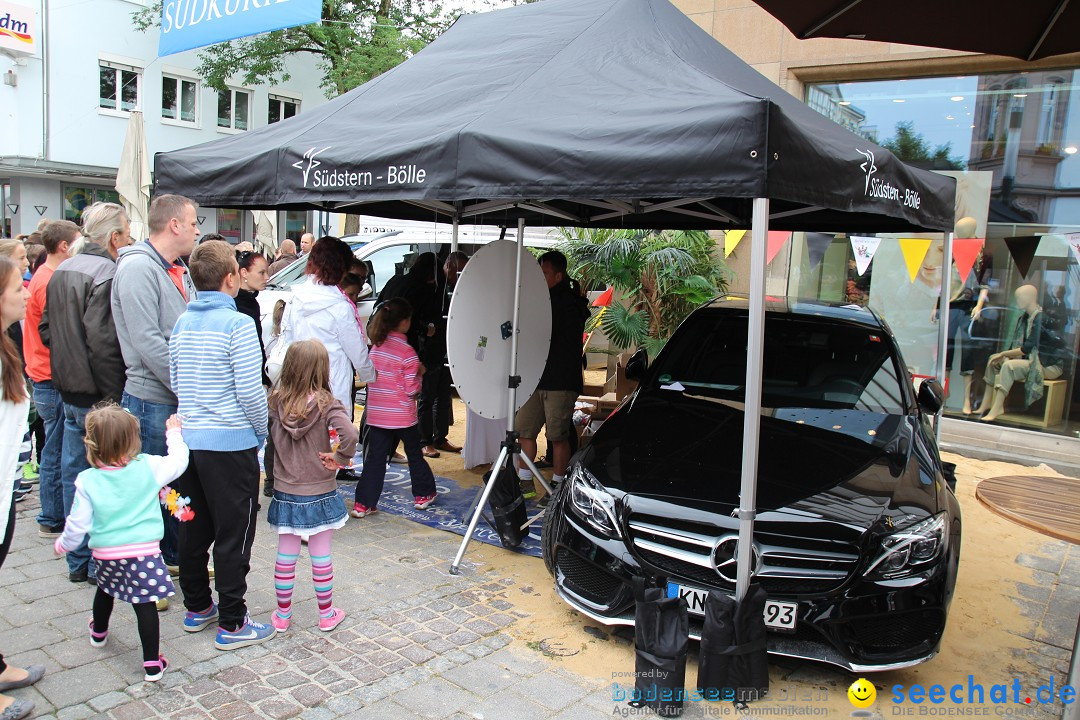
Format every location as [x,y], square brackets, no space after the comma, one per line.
[594,113]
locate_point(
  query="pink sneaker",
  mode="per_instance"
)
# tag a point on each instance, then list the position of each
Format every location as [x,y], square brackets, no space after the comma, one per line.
[326,624]
[281,624]
[360,510]
[423,501]
[152,671]
[98,639]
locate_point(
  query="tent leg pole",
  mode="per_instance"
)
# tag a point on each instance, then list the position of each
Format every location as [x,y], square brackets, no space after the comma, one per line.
[510,445]
[943,325]
[454,236]
[1072,710]
[755,341]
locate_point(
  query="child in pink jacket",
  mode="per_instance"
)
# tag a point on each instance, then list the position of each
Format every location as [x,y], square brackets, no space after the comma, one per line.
[390,414]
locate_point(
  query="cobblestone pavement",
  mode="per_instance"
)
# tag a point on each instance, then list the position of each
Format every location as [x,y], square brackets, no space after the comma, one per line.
[418,642]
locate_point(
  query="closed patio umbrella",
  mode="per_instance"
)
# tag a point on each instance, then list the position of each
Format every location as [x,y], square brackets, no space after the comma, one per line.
[133,177]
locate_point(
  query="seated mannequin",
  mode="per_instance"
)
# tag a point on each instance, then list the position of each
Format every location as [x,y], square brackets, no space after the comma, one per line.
[1008,366]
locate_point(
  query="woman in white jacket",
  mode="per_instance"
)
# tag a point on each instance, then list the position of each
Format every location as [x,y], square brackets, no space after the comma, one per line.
[319,310]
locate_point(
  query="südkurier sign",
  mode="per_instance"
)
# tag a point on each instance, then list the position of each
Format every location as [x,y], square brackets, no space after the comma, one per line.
[188,24]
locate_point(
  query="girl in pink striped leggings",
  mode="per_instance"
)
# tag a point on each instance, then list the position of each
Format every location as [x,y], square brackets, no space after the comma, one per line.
[303,416]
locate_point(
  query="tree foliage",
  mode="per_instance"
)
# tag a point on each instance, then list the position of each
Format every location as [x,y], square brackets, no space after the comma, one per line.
[911,147]
[662,277]
[356,41]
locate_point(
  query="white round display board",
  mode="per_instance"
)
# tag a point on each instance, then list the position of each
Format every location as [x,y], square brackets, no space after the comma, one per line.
[483,301]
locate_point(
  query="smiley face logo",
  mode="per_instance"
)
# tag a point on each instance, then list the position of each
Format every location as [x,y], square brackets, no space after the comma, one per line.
[862,693]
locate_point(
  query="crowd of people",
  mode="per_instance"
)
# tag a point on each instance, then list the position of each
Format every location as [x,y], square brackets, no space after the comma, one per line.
[136,366]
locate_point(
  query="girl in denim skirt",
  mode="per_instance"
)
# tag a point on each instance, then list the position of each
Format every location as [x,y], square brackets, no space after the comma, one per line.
[313,436]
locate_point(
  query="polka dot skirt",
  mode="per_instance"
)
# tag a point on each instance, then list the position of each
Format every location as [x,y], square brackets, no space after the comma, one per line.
[135,580]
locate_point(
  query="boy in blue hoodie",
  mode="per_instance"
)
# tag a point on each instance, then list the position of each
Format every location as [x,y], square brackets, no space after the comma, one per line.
[215,366]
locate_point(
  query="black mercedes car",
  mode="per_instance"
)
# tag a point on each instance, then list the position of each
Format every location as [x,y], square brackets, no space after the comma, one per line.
[857,540]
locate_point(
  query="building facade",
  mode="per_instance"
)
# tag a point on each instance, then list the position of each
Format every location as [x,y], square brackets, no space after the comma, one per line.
[1010,132]
[65,105]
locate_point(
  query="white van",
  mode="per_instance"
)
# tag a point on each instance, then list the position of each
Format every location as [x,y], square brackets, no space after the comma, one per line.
[387,254]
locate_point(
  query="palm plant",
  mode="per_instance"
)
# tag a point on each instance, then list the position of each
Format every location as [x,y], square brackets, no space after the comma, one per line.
[661,275]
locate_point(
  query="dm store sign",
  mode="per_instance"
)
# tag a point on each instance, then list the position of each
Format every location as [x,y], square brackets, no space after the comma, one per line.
[18,29]
[188,24]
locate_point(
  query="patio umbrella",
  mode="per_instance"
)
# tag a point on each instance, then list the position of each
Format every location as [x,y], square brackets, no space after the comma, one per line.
[1030,30]
[133,179]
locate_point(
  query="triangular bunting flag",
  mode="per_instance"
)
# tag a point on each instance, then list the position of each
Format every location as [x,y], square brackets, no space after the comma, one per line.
[731,239]
[914,250]
[1074,242]
[816,245]
[864,249]
[965,251]
[1022,249]
[776,240]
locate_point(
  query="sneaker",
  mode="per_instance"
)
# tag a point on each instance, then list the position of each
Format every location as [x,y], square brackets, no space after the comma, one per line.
[79,576]
[196,621]
[155,669]
[360,510]
[162,605]
[542,462]
[23,490]
[281,624]
[30,472]
[423,501]
[326,624]
[250,633]
[399,459]
[528,489]
[98,639]
[50,531]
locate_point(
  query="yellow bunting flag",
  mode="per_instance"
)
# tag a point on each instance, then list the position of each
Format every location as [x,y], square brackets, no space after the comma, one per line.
[914,250]
[731,239]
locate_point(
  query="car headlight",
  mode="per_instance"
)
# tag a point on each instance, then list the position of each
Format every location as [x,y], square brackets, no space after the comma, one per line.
[592,502]
[912,548]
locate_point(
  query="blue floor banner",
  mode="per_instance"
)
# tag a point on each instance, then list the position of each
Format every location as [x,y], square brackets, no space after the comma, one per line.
[448,513]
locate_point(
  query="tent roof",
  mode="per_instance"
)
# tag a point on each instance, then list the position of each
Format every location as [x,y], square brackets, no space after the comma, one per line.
[602,113]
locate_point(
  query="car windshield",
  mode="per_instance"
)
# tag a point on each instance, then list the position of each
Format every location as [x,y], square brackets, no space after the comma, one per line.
[808,363]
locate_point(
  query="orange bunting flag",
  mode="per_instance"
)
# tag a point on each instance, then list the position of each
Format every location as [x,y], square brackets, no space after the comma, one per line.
[965,251]
[777,238]
[914,250]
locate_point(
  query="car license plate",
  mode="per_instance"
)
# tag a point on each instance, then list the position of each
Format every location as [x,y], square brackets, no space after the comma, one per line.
[779,615]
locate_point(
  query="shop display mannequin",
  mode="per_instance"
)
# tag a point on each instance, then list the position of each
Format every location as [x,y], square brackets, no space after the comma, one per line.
[1008,366]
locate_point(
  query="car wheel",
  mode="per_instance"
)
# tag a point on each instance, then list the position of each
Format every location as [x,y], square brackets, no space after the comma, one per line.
[547,538]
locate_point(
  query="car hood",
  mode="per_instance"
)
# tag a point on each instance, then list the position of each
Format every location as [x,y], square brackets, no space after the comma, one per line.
[686,449]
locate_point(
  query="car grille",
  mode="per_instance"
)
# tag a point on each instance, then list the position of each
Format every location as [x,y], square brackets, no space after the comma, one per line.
[585,579]
[898,631]
[787,565]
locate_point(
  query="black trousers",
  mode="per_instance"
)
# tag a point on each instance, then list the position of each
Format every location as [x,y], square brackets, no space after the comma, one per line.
[380,442]
[435,407]
[268,463]
[146,615]
[224,490]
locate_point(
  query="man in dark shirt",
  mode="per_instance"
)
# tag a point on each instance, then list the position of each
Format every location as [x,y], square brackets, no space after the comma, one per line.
[552,405]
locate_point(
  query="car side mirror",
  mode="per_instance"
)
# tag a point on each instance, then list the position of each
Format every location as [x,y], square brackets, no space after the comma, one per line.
[637,365]
[931,397]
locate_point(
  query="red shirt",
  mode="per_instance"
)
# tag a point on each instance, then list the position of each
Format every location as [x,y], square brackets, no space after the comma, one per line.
[37,355]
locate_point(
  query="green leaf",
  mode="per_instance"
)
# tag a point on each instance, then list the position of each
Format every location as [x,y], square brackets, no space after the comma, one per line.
[624,327]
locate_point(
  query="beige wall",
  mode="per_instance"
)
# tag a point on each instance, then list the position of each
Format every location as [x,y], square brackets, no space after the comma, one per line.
[768,46]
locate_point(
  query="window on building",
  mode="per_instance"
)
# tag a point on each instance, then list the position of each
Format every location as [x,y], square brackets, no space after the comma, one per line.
[77,198]
[229,224]
[119,86]
[179,99]
[281,108]
[234,109]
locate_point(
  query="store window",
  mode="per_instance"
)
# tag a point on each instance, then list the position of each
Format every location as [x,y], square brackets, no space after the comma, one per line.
[295,224]
[179,99]
[1012,141]
[230,224]
[281,108]
[234,109]
[119,86]
[77,198]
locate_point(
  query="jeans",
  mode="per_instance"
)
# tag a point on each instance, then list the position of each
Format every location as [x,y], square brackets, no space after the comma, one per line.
[378,445]
[73,461]
[152,417]
[50,408]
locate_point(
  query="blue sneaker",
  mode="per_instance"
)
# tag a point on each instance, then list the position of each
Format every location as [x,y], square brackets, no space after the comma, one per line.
[250,633]
[195,621]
